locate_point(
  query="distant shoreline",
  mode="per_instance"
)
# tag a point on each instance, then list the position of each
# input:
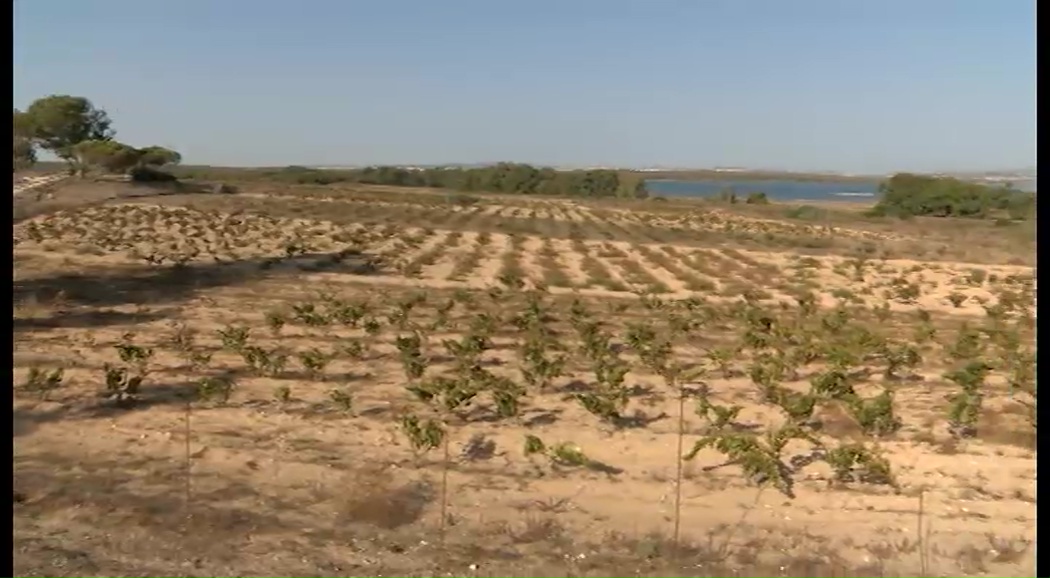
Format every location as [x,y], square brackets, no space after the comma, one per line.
[685,175]
[713,175]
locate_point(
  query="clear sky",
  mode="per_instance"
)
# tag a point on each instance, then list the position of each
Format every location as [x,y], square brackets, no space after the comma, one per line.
[849,85]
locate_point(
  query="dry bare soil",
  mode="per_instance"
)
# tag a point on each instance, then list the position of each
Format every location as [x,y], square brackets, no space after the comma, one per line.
[370,382]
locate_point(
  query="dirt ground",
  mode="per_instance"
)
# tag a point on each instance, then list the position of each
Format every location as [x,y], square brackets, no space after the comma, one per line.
[273,432]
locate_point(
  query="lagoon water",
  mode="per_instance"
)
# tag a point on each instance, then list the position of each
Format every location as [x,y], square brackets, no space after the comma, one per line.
[777,190]
[781,190]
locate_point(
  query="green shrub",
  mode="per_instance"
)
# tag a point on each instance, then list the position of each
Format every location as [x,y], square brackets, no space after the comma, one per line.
[727,195]
[906,194]
[805,213]
[462,200]
[150,175]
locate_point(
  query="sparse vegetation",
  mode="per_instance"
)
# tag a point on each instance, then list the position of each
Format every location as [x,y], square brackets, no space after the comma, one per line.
[390,369]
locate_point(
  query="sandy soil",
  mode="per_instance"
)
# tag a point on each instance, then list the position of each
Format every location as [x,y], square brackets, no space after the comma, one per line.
[880,279]
[284,479]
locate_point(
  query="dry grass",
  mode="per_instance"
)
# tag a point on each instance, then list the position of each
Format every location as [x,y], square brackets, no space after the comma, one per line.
[306,470]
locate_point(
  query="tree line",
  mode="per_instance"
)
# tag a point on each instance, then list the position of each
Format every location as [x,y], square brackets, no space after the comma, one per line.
[908,195]
[80,134]
[508,178]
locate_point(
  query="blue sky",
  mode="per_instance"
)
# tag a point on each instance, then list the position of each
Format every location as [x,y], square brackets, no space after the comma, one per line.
[849,85]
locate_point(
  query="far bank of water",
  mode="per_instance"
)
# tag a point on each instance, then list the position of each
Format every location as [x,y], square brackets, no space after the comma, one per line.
[781,190]
[778,190]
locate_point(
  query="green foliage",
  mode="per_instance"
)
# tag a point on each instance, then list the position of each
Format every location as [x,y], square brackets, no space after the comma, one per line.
[719,417]
[964,410]
[342,399]
[219,388]
[140,174]
[57,123]
[806,213]
[21,125]
[841,352]
[898,356]
[23,155]
[234,337]
[854,462]
[508,178]
[760,457]
[43,382]
[107,156]
[539,367]
[422,434]
[906,195]
[269,362]
[757,199]
[158,156]
[607,397]
[564,454]
[314,361]
[23,151]
[410,352]
[123,382]
[184,341]
[76,131]
[874,415]
[727,195]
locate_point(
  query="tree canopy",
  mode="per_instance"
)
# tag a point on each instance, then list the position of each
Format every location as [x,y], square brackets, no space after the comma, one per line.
[156,156]
[76,131]
[906,195]
[107,156]
[59,122]
[24,155]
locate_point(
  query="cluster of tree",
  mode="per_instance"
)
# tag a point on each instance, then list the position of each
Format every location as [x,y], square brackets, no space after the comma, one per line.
[907,195]
[511,178]
[729,196]
[81,135]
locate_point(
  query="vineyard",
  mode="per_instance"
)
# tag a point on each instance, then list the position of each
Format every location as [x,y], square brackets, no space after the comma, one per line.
[368,383]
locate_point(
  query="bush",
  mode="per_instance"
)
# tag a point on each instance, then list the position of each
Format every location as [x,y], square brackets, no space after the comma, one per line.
[727,196]
[805,213]
[917,195]
[757,199]
[463,200]
[150,175]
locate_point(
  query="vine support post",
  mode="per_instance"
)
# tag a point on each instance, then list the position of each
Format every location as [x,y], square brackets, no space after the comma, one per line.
[445,459]
[679,469]
[188,460]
